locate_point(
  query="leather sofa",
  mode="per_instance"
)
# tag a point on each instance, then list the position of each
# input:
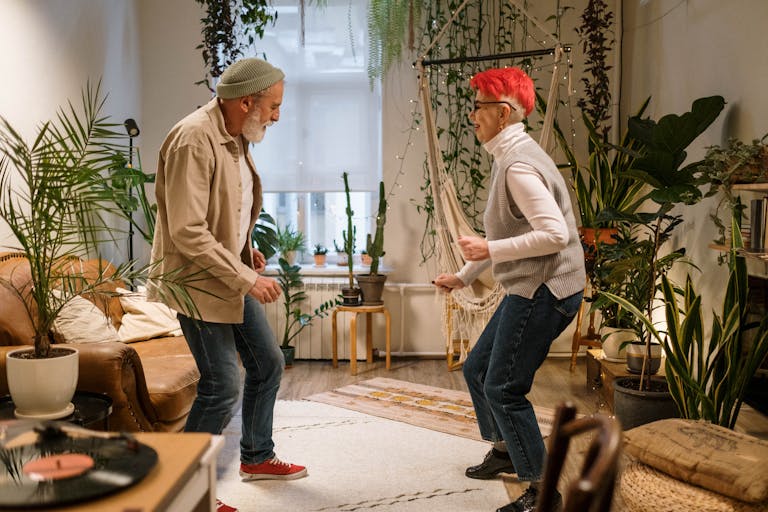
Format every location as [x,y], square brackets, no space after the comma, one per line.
[152,383]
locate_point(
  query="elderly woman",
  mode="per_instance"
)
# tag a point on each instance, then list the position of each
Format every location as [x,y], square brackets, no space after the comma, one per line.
[533,248]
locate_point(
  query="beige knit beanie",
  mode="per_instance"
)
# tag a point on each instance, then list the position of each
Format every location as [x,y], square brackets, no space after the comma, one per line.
[246,77]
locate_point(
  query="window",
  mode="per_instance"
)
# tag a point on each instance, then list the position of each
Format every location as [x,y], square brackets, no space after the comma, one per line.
[330,123]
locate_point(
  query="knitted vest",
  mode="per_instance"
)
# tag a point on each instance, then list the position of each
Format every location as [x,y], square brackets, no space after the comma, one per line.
[563,272]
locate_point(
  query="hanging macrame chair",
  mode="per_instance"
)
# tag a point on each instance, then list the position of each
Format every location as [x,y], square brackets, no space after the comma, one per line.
[467,311]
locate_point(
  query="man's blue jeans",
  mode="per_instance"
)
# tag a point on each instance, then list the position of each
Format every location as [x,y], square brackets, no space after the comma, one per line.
[500,368]
[215,348]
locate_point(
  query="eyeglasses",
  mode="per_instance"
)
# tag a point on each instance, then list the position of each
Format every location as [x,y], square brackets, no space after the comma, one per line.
[478,104]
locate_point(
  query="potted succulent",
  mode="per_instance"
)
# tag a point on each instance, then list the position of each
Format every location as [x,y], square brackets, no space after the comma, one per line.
[290,242]
[320,253]
[341,255]
[57,217]
[289,278]
[372,283]
[351,293]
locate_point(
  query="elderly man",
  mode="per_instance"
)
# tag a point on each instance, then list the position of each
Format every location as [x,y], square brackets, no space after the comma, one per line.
[209,197]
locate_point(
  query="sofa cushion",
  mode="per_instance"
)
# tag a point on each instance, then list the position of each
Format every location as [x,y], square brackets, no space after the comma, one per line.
[171,375]
[144,320]
[80,321]
[700,453]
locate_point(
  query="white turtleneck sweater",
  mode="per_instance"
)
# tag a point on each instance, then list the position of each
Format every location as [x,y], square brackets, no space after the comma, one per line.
[548,233]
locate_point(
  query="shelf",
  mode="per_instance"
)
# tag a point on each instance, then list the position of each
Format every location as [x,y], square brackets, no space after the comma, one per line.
[755,187]
[762,256]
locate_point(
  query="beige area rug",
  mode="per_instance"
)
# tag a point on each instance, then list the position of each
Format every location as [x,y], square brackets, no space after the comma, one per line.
[444,410]
[359,462]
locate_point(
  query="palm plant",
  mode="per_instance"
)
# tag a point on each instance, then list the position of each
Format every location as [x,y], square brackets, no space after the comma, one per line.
[61,210]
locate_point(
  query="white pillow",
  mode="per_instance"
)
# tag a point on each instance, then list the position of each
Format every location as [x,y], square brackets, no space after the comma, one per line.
[144,320]
[80,321]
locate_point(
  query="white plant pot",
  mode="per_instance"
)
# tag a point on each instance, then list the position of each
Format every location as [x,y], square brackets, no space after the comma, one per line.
[612,341]
[290,257]
[42,388]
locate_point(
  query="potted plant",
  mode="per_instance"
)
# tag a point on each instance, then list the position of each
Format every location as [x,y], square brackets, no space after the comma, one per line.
[734,164]
[372,283]
[659,165]
[351,293]
[57,217]
[708,378]
[320,252]
[289,277]
[341,255]
[289,242]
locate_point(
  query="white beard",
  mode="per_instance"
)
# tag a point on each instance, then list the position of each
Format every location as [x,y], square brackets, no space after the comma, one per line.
[253,129]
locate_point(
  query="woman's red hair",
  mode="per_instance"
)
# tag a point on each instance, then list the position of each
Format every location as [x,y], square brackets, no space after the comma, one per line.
[510,82]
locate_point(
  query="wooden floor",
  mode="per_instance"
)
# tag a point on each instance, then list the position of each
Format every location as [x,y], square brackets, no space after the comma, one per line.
[554,384]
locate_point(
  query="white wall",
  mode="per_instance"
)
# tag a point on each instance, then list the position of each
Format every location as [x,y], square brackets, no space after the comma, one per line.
[52,48]
[677,52]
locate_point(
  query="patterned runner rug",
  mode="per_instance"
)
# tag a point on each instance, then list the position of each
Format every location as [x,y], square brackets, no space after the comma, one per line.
[439,409]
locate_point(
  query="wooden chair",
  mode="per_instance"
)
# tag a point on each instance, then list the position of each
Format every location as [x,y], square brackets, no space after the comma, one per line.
[593,490]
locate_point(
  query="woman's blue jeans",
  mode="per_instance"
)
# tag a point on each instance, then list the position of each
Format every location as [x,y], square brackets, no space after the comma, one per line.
[500,368]
[216,347]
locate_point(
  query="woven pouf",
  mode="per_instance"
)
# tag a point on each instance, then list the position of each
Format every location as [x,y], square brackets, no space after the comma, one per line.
[645,489]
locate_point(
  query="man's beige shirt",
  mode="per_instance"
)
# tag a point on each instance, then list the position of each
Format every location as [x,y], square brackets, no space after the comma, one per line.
[199,197]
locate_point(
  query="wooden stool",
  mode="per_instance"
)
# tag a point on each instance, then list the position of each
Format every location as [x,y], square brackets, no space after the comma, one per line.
[592,339]
[368,310]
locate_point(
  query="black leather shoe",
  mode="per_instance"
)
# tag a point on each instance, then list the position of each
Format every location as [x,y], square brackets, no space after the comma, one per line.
[495,462]
[527,502]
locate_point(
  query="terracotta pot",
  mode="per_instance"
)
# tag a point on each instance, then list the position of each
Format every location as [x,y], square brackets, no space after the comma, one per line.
[320,260]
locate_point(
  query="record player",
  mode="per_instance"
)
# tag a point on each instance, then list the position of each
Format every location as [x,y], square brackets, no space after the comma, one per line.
[59,464]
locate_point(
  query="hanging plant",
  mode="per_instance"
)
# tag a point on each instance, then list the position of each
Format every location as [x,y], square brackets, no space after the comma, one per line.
[229,27]
[392,25]
[597,43]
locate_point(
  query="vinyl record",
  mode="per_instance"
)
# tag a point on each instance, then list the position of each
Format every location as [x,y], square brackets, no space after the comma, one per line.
[64,470]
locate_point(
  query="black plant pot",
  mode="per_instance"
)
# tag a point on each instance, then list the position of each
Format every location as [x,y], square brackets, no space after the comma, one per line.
[372,287]
[350,296]
[633,407]
[289,353]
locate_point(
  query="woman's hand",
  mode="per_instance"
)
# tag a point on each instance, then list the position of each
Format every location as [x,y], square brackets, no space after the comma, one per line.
[474,248]
[446,283]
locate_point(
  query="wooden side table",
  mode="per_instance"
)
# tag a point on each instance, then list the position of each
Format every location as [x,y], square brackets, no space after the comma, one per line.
[357,310]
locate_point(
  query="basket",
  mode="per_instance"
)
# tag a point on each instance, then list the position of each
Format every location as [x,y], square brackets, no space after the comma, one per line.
[645,489]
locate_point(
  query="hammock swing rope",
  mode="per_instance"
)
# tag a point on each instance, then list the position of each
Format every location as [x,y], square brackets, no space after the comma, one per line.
[467,311]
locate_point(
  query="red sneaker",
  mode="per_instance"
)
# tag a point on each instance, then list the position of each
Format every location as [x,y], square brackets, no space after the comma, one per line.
[221,507]
[272,469]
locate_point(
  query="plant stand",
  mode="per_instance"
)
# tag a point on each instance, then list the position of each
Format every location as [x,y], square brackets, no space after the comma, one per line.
[356,310]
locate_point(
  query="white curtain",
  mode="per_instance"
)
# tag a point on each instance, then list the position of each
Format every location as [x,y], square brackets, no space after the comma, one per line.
[330,120]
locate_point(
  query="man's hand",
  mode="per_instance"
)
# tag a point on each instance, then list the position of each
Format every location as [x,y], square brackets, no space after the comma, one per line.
[474,248]
[448,282]
[265,290]
[259,261]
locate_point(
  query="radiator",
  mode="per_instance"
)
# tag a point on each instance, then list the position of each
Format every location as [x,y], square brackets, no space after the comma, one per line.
[314,341]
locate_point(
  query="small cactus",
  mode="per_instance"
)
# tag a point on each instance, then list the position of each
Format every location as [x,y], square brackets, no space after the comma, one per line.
[349,233]
[375,245]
